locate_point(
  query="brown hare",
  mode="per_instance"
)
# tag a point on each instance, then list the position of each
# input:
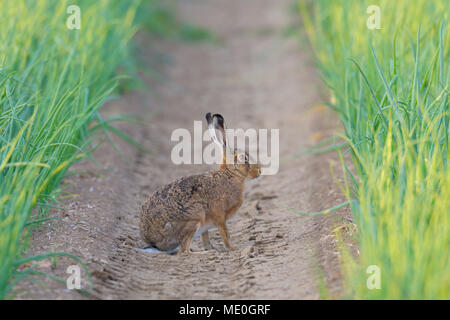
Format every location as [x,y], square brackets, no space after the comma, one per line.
[178,212]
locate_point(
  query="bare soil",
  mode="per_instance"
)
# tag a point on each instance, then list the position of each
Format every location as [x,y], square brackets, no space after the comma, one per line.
[256,77]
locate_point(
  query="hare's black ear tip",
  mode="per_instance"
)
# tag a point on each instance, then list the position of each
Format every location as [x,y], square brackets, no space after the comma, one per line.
[219,117]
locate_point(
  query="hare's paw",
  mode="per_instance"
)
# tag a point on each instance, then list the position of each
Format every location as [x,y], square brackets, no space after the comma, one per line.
[190,253]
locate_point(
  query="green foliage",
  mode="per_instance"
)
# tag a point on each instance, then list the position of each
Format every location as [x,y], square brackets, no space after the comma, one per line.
[53,81]
[159,18]
[390,89]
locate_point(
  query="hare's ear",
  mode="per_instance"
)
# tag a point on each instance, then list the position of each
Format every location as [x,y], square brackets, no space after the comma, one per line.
[216,126]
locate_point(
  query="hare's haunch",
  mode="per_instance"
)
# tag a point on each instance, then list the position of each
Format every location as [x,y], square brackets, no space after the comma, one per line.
[176,213]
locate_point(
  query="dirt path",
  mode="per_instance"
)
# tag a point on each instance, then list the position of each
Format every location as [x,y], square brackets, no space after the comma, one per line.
[256,78]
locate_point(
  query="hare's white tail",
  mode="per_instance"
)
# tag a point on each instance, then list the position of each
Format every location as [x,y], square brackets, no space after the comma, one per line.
[155,250]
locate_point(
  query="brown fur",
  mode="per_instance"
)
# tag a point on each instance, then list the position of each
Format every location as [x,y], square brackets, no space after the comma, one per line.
[174,213]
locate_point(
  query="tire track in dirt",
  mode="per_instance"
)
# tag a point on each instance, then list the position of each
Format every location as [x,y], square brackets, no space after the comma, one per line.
[256,78]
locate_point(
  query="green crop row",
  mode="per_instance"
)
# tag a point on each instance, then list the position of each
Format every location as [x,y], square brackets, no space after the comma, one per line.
[53,80]
[389,83]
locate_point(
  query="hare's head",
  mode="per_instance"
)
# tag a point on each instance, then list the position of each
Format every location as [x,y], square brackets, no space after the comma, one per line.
[241,163]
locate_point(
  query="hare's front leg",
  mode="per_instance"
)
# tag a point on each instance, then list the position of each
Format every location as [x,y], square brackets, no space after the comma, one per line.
[219,218]
[206,242]
[224,233]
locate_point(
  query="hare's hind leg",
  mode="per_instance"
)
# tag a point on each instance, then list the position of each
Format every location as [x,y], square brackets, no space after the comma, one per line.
[188,235]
